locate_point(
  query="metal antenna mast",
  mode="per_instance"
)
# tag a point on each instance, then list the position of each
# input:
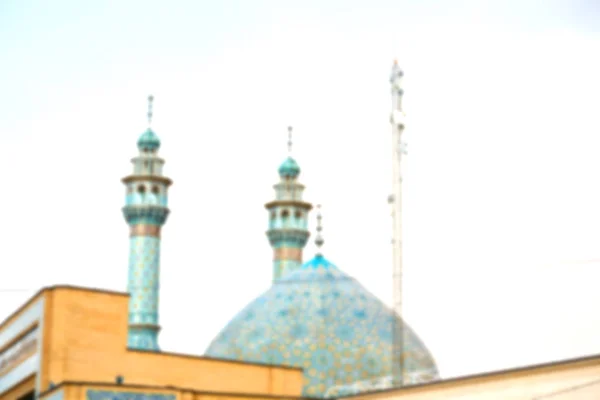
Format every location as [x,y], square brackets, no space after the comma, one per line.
[395,200]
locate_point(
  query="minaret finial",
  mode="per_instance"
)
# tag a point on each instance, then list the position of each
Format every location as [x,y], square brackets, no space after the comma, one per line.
[396,78]
[150,100]
[289,143]
[319,238]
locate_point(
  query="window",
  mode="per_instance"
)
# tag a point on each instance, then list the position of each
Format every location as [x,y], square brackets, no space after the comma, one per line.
[155,190]
[298,214]
[285,214]
[141,189]
[273,215]
[28,396]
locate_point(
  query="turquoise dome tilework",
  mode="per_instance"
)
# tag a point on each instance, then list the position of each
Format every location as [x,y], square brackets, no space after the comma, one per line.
[117,395]
[289,168]
[144,264]
[148,141]
[324,321]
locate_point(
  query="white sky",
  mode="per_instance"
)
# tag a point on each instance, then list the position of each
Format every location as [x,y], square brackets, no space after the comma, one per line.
[501,199]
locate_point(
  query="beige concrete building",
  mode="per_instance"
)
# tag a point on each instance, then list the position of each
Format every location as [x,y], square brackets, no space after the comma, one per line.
[575,379]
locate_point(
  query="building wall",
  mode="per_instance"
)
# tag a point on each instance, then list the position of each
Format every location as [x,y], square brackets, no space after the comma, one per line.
[85,340]
[82,391]
[20,389]
[85,335]
[91,392]
[20,344]
[571,380]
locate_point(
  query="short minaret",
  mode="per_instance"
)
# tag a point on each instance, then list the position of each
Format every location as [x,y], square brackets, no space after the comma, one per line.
[288,218]
[398,150]
[145,212]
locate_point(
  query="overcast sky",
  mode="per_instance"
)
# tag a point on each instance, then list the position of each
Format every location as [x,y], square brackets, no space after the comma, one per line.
[501,195]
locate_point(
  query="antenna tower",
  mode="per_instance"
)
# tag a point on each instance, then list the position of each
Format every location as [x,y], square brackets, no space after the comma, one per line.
[395,200]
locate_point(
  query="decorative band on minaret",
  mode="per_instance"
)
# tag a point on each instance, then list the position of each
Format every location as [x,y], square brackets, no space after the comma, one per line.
[288,218]
[146,212]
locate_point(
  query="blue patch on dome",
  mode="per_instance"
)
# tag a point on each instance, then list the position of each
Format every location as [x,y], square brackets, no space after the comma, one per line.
[323,359]
[372,364]
[344,333]
[298,331]
[324,321]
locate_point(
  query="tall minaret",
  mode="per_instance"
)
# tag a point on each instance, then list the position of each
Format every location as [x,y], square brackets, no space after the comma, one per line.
[288,218]
[398,150]
[145,211]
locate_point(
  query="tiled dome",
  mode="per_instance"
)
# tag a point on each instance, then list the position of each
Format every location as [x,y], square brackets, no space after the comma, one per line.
[289,168]
[324,321]
[148,140]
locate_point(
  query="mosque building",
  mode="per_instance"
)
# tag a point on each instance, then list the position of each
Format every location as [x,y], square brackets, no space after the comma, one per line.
[315,316]
[315,333]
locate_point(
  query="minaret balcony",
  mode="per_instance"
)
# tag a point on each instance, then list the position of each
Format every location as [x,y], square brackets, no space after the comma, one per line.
[288,203]
[145,214]
[290,237]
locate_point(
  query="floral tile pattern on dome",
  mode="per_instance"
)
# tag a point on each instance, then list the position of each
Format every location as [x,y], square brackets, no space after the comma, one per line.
[322,320]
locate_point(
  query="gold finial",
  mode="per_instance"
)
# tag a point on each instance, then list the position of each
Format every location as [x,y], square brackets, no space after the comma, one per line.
[319,239]
[289,143]
[150,100]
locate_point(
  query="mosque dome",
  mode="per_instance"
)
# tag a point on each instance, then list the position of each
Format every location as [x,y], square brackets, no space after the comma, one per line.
[148,141]
[289,168]
[324,321]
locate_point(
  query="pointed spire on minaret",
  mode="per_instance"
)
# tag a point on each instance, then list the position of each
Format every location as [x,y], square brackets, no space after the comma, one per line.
[149,141]
[397,73]
[319,238]
[397,92]
[150,100]
[289,143]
